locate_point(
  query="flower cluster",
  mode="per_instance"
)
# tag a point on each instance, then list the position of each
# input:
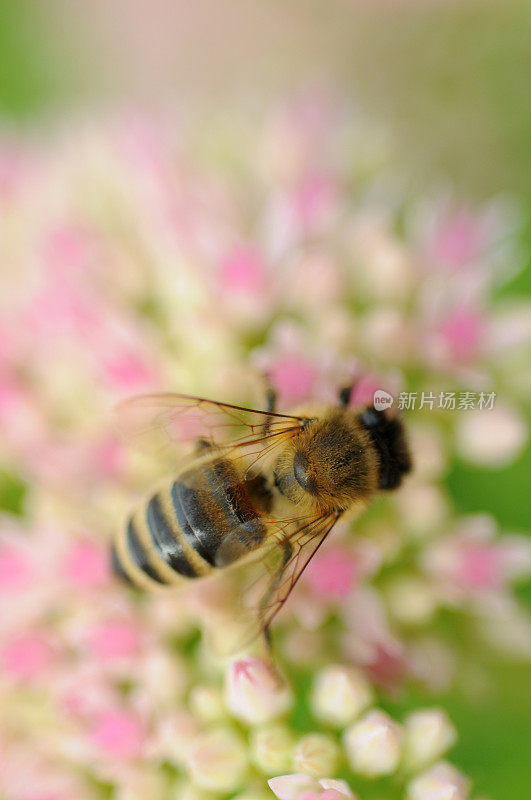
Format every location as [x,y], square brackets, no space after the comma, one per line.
[143,256]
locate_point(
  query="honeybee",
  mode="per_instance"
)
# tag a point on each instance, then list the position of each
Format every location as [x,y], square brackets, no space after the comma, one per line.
[261,486]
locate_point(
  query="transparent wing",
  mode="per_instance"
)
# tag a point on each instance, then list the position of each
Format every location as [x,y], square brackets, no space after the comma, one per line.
[263,584]
[162,425]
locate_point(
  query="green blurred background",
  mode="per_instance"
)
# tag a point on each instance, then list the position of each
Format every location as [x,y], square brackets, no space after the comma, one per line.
[448,81]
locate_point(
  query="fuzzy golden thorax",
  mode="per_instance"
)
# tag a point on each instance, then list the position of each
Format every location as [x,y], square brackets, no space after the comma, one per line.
[330,466]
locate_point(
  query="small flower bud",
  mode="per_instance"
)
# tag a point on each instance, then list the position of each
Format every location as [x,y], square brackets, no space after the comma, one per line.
[340,787]
[174,737]
[206,703]
[374,744]
[316,754]
[493,438]
[340,695]
[162,678]
[254,693]
[291,787]
[271,748]
[411,600]
[441,782]
[218,761]
[299,787]
[428,734]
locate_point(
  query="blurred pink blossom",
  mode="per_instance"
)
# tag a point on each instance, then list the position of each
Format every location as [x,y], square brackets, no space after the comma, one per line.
[119,734]
[86,564]
[27,656]
[242,270]
[332,574]
[115,639]
[458,239]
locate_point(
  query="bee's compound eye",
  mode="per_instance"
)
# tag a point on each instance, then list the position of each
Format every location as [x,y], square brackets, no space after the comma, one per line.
[300,470]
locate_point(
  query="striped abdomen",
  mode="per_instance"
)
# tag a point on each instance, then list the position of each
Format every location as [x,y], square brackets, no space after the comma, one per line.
[203,519]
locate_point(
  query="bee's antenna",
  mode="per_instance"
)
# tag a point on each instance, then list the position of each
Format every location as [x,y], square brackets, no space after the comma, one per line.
[345,392]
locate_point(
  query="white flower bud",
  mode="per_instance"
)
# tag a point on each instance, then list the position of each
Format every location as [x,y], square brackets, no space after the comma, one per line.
[337,786]
[374,744]
[493,437]
[441,782]
[427,735]
[254,693]
[291,787]
[411,600]
[271,748]
[422,507]
[174,737]
[340,695]
[206,703]
[317,754]
[163,679]
[218,760]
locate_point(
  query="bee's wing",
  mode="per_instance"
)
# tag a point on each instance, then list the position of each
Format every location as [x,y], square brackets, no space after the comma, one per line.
[272,573]
[162,424]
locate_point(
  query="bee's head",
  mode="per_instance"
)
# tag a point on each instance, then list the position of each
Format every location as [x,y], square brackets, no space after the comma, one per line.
[389,439]
[330,464]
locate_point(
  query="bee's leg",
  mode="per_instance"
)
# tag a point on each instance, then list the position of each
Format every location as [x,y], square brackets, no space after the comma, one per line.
[271,403]
[287,552]
[266,647]
[271,398]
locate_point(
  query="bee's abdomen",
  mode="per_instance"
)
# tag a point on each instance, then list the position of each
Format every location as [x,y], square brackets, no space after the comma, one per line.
[223,509]
[167,537]
[178,533]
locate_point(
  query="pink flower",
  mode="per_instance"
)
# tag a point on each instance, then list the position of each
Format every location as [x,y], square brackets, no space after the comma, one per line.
[387,667]
[65,247]
[86,564]
[458,239]
[479,567]
[116,639]
[462,333]
[315,202]
[107,458]
[119,733]
[294,378]
[27,656]
[471,561]
[128,371]
[369,641]
[242,270]
[16,569]
[364,389]
[332,574]
[62,307]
